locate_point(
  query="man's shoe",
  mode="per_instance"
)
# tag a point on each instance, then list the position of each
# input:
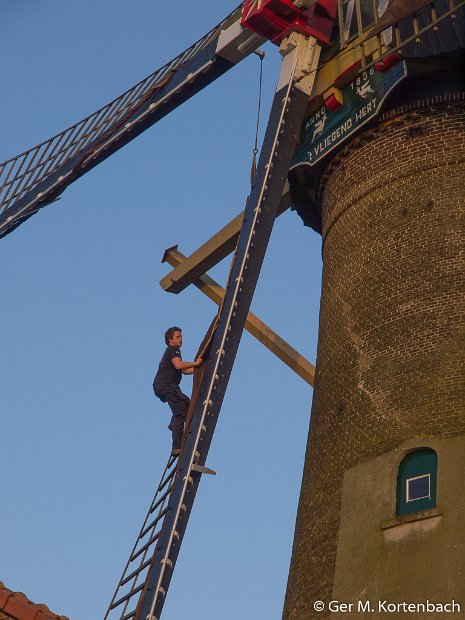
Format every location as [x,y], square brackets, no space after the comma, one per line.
[175,451]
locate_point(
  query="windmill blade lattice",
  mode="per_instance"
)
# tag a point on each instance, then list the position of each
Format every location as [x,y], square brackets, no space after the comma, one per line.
[35,178]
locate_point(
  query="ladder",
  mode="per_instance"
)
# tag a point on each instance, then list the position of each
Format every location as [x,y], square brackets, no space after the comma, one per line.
[287,112]
[140,559]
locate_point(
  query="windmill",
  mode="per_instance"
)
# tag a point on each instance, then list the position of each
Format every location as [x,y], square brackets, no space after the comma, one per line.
[97,143]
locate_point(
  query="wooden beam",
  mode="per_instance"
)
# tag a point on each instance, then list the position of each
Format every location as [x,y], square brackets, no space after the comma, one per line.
[211,252]
[254,325]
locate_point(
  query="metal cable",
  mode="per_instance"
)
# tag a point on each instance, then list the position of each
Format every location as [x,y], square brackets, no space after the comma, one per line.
[253,169]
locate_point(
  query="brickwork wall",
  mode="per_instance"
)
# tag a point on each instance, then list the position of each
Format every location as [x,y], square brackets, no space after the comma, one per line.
[391,340]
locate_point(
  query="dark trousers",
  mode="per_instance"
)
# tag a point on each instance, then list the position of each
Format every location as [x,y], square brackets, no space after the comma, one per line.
[179,404]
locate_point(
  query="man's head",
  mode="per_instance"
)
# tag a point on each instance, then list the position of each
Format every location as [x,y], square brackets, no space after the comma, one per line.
[173,336]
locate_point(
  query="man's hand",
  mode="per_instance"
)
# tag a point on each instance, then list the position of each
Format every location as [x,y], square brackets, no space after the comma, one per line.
[185,367]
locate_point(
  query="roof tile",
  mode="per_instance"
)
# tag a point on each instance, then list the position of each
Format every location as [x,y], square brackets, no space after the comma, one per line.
[16,605]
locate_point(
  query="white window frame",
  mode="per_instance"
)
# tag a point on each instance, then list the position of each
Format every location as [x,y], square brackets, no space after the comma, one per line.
[414,499]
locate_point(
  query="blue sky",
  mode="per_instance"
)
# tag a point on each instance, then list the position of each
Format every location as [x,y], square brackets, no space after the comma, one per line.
[83,438]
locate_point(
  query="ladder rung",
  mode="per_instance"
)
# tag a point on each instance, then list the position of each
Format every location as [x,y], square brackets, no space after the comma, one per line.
[129,615]
[127,596]
[168,478]
[159,516]
[144,548]
[136,572]
[153,523]
[160,501]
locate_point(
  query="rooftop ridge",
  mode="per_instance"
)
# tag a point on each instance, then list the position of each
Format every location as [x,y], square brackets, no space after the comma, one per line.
[17,605]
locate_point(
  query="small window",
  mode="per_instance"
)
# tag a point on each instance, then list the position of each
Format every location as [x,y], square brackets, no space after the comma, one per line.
[416,482]
[418,488]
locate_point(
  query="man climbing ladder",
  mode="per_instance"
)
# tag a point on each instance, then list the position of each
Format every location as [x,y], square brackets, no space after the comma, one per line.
[166,384]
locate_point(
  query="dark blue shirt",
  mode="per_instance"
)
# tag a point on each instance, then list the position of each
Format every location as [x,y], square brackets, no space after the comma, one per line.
[167,375]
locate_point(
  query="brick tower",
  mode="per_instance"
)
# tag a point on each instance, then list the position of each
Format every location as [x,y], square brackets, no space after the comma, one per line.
[381,513]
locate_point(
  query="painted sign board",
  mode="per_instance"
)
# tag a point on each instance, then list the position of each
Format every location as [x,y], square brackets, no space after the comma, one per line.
[325,130]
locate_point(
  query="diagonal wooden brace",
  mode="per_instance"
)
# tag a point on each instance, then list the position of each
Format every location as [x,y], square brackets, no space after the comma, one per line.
[211,252]
[270,339]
